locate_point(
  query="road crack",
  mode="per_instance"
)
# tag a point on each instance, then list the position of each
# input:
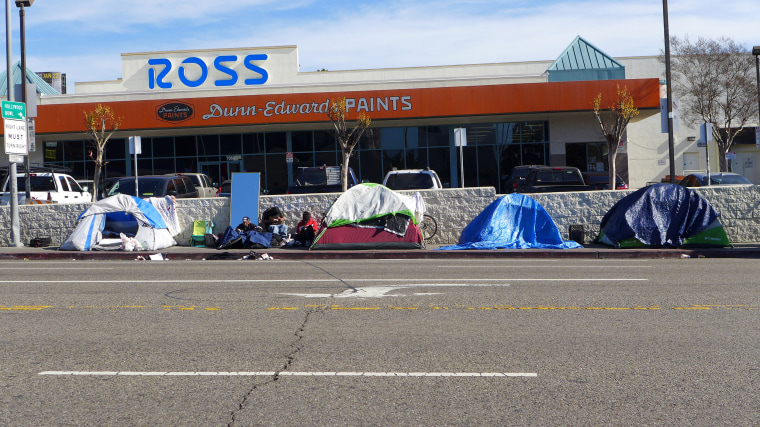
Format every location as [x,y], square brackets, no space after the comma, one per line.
[290,358]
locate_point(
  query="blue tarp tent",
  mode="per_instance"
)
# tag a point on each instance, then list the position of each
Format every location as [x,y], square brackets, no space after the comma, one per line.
[665,215]
[514,221]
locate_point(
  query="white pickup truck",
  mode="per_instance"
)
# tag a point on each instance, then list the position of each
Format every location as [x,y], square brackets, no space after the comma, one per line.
[45,186]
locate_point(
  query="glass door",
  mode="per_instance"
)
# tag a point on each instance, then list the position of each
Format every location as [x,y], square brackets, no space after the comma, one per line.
[220,171]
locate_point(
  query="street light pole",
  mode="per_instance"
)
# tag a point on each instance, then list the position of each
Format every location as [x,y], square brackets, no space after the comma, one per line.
[15,222]
[671,145]
[756,52]
[20,4]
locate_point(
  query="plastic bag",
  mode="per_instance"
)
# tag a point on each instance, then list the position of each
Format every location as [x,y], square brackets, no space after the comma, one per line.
[129,243]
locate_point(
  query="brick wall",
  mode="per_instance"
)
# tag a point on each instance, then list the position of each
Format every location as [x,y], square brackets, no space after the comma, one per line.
[453,209]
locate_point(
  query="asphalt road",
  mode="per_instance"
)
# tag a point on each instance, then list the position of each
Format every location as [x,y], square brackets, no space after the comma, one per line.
[380,342]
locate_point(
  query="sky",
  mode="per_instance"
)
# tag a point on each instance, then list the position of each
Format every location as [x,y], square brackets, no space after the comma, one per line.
[85,38]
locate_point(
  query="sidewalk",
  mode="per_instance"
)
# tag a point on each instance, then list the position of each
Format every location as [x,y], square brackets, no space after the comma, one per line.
[589,251]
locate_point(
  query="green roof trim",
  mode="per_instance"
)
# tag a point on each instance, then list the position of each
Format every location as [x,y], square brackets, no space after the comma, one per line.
[42,86]
[583,61]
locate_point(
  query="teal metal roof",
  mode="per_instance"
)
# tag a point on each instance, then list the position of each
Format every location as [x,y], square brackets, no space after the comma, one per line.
[31,77]
[584,61]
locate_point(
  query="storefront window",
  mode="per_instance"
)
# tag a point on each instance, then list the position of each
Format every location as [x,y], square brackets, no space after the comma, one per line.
[230,144]
[208,145]
[253,143]
[163,147]
[184,146]
[276,142]
[116,149]
[324,141]
[301,141]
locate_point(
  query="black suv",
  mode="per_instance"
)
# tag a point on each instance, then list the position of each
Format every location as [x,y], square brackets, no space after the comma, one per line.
[180,187]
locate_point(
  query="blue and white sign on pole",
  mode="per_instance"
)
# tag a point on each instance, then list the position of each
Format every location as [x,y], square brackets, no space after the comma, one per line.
[14,123]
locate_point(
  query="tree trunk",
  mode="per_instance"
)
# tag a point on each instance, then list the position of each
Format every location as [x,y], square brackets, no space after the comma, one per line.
[96,175]
[344,170]
[611,154]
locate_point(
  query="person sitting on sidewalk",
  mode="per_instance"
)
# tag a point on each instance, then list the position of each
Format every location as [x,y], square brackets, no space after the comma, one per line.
[306,230]
[273,220]
[247,225]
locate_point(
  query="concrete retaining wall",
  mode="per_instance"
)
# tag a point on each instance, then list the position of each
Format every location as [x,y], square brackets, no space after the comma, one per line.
[453,209]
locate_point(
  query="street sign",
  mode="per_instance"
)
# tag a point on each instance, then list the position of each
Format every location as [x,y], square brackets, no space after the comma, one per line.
[15,136]
[30,136]
[14,110]
[14,123]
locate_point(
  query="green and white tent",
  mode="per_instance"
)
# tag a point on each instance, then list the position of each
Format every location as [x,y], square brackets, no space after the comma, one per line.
[371,216]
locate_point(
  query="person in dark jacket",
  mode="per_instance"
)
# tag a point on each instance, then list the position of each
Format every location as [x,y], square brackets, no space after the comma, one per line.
[247,225]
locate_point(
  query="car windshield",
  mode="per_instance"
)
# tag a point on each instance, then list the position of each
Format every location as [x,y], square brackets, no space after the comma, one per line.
[312,176]
[409,181]
[728,179]
[149,187]
[37,183]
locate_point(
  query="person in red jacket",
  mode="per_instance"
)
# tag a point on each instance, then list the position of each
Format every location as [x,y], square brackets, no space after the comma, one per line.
[306,229]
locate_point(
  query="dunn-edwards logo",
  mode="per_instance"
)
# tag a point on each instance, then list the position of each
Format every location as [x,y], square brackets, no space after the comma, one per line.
[175,112]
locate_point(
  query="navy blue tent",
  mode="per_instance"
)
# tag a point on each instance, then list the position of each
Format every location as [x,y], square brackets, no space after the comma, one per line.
[665,215]
[514,221]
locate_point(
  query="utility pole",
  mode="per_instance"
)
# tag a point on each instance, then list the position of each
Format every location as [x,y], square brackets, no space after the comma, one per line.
[671,145]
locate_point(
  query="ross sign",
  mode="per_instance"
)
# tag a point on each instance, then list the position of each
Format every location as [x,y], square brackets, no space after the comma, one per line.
[227,70]
[14,123]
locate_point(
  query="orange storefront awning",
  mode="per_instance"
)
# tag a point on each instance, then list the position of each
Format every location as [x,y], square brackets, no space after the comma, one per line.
[421,103]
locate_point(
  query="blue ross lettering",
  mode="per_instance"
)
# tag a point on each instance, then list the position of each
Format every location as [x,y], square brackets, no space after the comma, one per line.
[264,75]
[233,75]
[201,79]
[159,80]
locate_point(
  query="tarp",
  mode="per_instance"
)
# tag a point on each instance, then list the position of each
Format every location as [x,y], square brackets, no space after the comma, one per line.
[245,239]
[152,223]
[514,221]
[371,216]
[664,215]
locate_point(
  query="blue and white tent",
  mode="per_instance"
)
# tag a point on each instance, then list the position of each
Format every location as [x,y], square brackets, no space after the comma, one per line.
[152,223]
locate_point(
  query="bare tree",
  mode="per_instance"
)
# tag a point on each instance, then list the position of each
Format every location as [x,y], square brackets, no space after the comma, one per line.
[100,124]
[613,120]
[715,82]
[346,139]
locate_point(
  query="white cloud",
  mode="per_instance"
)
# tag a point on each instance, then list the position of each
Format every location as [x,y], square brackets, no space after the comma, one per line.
[352,35]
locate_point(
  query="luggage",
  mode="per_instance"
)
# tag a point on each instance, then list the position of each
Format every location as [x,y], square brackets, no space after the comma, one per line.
[40,242]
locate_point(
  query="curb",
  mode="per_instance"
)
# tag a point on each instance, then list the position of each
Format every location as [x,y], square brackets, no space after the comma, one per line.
[197,254]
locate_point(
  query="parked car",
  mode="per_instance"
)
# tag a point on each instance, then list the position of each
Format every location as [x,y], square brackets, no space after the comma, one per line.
[517,176]
[181,187]
[48,186]
[412,179]
[601,181]
[202,183]
[548,179]
[225,189]
[717,178]
[321,179]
